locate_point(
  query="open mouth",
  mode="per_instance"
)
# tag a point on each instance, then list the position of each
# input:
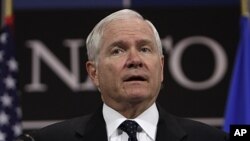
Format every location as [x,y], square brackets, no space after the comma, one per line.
[135,78]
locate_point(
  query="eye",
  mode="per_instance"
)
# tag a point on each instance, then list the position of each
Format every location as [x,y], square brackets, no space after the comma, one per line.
[116,51]
[145,49]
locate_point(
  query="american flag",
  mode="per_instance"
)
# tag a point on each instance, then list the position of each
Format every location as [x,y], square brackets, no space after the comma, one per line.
[10,112]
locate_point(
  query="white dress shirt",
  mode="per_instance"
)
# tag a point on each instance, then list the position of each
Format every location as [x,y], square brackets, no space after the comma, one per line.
[147,120]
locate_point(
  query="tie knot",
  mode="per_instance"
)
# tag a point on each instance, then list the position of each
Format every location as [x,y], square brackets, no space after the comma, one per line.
[130,127]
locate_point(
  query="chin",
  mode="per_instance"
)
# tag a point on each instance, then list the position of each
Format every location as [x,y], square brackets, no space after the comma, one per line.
[137,95]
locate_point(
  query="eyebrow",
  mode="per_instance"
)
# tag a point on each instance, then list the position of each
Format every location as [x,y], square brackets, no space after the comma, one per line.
[119,43]
[144,42]
[140,42]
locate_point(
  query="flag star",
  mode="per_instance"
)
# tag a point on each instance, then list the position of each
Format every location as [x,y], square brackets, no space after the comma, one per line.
[17,129]
[10,82]
[19,112]
[6,100]
[4,119]
[2,136]
[3,38]
[12,63]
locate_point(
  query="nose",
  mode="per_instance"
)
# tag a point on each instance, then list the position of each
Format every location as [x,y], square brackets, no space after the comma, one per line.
[134,59]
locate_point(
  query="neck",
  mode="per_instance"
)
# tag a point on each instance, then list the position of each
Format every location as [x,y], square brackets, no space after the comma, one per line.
[131,110]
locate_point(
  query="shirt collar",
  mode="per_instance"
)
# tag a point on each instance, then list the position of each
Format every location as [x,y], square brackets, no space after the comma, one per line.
[147,120]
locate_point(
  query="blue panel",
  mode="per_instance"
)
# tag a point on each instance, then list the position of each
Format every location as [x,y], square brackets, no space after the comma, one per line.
[143,3]
[150,3]
[68,4]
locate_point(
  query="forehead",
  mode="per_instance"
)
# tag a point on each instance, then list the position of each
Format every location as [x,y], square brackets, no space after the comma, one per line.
[127,28]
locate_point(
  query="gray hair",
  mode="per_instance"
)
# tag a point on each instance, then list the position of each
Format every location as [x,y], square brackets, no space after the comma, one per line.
[94,39]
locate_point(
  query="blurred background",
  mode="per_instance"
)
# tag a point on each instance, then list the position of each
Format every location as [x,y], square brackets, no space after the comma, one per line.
[200,40]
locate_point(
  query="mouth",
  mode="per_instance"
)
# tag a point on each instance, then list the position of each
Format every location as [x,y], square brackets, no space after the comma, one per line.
[135,78]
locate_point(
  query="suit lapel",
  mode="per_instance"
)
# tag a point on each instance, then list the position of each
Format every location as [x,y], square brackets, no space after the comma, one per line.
[168,128]
[94,128]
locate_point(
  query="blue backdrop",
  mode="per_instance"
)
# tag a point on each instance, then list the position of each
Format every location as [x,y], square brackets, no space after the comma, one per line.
[68,4]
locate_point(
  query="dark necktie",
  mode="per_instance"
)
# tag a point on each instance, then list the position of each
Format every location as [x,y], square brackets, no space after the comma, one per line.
[130,127]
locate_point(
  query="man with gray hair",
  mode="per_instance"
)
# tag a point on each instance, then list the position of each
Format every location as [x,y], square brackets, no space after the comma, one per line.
[125,62]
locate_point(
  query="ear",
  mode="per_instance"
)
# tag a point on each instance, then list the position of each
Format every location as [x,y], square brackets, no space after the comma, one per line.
[92,72]
[162,68]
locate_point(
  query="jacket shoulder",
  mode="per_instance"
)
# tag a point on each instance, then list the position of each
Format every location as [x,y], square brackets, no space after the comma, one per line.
[199,130]
[63,131]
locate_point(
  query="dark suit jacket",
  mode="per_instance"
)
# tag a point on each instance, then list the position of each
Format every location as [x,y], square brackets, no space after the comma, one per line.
[93,128]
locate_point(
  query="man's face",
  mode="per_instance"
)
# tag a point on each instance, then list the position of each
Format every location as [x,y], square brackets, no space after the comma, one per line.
[129,66]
